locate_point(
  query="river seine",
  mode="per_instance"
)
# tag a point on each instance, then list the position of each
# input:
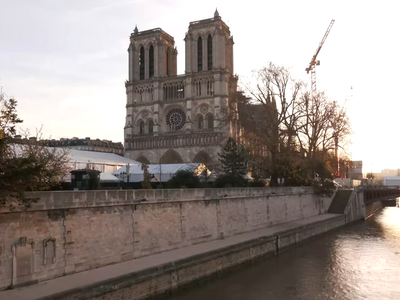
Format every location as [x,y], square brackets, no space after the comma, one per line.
[360,261]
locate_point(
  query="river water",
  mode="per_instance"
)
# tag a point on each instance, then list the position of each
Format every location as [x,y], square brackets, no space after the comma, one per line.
[359,261]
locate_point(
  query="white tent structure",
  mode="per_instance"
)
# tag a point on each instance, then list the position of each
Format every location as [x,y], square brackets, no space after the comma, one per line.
[101,161]
[391,181]
[104,162]
[163,172]
[108,177]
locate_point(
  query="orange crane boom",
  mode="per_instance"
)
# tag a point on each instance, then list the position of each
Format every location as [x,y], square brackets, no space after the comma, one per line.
[314,62]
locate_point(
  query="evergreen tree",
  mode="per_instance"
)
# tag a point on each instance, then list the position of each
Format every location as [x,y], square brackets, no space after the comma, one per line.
[234,164]
[184,179]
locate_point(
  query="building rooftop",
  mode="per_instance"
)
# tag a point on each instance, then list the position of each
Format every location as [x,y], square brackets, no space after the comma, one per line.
[72,142]
[92,157]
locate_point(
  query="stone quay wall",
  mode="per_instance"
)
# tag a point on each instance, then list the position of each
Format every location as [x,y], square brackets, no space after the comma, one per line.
[73,231]
[176,275]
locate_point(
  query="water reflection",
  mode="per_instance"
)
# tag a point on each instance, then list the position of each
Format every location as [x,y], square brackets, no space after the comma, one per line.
[365,261]
[356,262]
[390,223]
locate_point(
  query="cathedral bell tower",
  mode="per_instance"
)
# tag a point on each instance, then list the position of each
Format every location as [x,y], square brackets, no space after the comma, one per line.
[152,55]
[184,118]
[209,53]
[209,46]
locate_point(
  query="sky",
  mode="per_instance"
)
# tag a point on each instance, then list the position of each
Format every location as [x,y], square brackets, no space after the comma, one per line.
[66,61]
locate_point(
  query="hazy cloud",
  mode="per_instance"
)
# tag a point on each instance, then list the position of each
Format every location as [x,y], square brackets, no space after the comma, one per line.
[66,60]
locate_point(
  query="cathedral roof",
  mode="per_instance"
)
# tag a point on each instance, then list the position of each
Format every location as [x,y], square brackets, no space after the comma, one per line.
[249,114]
[216,20]
[152,32]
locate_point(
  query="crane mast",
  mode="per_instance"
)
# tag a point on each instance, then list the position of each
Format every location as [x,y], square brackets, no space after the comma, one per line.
[311,68]
[314,62]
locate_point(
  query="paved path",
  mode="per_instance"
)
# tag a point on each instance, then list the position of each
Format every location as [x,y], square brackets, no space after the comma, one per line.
[82,279]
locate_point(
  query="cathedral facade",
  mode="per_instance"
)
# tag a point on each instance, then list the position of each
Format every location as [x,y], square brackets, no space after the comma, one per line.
[185,118]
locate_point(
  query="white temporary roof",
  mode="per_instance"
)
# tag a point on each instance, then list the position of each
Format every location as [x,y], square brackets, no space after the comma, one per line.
[104,177]
[164,172]
[92,157]
[108,177]
[99,157]
[391,180]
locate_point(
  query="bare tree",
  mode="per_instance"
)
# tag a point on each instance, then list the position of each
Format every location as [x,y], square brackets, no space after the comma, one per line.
[25,167]
[317,116]
[54,162]
[286,128]
[275,112]
[323,127]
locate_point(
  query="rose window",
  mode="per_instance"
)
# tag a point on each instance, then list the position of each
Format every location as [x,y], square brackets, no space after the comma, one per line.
[204,109]
[176,119]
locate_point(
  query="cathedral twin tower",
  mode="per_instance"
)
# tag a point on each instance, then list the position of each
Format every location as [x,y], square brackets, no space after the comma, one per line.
[186,118]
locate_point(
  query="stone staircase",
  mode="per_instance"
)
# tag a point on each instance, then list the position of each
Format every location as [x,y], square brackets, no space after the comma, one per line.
[340,201]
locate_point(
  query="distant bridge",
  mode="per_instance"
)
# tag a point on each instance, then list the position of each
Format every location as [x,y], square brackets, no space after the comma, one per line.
[362,201]
[379,193]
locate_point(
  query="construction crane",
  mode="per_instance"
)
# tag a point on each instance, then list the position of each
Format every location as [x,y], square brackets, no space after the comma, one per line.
[314,62]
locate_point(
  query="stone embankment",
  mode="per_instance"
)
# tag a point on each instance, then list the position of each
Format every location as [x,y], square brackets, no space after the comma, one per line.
[165,272]
[139,243]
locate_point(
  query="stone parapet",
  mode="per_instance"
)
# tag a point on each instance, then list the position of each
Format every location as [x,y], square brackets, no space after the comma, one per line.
[175,140]
[98,198]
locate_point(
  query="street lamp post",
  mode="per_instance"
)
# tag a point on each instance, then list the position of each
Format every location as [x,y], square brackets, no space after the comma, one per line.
[122,177]
[128,169]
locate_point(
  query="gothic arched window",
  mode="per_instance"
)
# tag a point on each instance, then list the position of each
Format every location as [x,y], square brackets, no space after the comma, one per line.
[200,54]
[210,122]
[209,53]
[200,122]
[151,61]
[198,88]
[141,127]
[151,125]
[210,86]
[141,63]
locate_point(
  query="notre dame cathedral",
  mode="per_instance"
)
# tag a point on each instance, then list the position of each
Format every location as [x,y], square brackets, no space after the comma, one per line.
[186,118]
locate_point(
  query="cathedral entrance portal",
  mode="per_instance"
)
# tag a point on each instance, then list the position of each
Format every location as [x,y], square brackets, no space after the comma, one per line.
[204,158]
[143,160]
[171,157]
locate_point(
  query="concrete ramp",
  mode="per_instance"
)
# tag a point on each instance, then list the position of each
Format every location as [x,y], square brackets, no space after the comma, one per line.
[340,201]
